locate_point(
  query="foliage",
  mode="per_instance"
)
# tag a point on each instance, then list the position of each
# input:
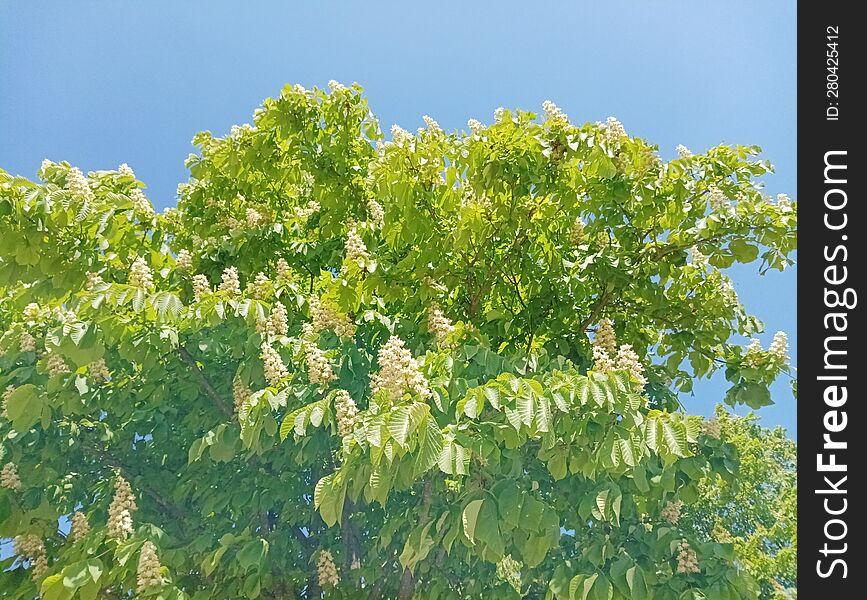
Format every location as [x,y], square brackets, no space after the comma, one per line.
[757,511]
[451,284]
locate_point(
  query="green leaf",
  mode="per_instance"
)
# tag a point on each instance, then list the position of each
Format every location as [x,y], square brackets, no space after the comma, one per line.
[470,517]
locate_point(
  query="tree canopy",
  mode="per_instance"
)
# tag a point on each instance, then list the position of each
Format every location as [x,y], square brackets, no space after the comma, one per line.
[446,365]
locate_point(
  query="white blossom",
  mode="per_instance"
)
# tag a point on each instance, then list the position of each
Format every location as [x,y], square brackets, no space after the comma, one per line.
[140,275]
[32,550]
[80,527]
[347,413]
[779,348]
[335,86]
[26,342]
[9,477]
[326,571]
[98,370]
[432,125]
[230,283]
[201,286]
[687,562]
[148,574]
[55,365]
[240,393]
[184,260]
[553,112]
[140,204]
[752,358]
[275,370]
[324,316]
[376,212]
[576,231]
[671,511]
[319,370]
[120,510]
[499,113]
[78,185]
[614,130]
[94,280]
[398,372]
[627,360]
[304,212]
[683,151]
[125,170]
[438,324]
[783,201]
[400,136]
[355,248]
[475,126]
[698,259]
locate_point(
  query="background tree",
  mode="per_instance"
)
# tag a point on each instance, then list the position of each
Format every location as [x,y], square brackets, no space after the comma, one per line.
[446,365]
[757,511]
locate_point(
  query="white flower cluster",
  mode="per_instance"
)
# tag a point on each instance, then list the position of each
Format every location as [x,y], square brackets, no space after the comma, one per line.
[475,126]
[355,248]
[201,286]
[576,231]
[432,125]
[754,355]
[275,370]
[233,224]
[236,132]
[347,413]
[671,511]
[278,320]
[324,316]
[614,130]
[55,365]
[398,372]
[509,571]
[304,212]
[783,201]
[608,357]
[260,286]
[499,113]
[687,561]
[94,280]
[125,170]
[6,394]
[728,293]
[711,428]
[120,510]
[438,324]
[698,259]
[335,86]
[253,217]
[148,574]
[230,283]
[78,185]
[140,204]
[284,271]
[400,136]
[26,342]
[376,212]
[140,274]
[184,261]
[553,112]
[326,570]
[683,151]
[31,549]
[627,360]
[319,370]
[80,526]
[98,370]
[240,393]
[779,348]
[9,477]
[719,203]
[31,312]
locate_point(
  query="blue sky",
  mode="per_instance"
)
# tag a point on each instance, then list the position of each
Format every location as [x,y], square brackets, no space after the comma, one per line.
[101,83]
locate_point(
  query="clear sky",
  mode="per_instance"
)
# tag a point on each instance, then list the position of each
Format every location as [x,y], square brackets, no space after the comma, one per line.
[101,83]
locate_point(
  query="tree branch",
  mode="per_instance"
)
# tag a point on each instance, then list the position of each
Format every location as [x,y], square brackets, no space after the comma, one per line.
[218,400]
[597,310]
